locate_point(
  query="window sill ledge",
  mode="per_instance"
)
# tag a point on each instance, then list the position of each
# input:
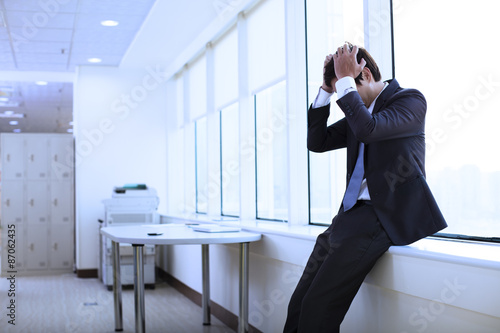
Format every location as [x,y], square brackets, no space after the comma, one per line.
[477,254]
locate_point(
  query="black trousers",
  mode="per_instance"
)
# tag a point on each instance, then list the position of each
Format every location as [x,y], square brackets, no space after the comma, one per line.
[341,258]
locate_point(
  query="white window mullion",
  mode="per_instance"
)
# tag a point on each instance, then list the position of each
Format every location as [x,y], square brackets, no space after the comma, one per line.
[213,140]
[247,127]
[189,169]
[378,34]
[175,147]
[189,144]
[298,207]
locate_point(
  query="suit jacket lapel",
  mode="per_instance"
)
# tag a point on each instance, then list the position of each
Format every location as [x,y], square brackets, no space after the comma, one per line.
[386,94]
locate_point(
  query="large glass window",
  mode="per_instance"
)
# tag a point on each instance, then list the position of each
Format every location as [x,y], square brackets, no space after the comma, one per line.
[201,163]
[329,25]
[271,153]
[455,71]
[230,162]
[266,67]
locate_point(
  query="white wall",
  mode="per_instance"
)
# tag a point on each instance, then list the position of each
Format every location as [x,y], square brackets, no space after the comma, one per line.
[120,137]
[408,291]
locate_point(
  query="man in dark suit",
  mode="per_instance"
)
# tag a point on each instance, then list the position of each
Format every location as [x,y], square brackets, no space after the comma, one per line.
[387,200]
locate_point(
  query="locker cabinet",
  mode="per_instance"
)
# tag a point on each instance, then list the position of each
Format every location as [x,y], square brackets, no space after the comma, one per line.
[37,195]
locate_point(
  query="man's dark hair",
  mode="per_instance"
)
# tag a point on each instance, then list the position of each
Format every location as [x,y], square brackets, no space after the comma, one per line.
[329,74]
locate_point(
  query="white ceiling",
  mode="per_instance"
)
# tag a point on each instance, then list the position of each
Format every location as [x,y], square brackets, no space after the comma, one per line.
[57,36]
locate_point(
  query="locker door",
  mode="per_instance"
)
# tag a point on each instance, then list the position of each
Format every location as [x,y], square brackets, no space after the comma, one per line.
[12,201]
[12,157]
[61,247]
[61,162]
[61,202]
[20,249]
[37,202]
[37,157]
[18,254]
[36,248]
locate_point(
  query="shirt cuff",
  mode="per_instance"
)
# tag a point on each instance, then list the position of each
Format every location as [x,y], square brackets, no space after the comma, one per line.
[345,85]
[322,99]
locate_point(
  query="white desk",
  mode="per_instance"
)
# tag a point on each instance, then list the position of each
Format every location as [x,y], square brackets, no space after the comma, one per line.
[174,234]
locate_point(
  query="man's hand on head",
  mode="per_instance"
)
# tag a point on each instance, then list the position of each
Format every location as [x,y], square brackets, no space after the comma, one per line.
[345,62]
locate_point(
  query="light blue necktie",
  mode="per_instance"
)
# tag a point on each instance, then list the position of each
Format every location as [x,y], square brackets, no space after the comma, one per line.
[352,192]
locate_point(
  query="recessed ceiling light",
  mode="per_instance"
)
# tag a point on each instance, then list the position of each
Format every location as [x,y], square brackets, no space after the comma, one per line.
[70,123]
[17,130]
[13,122]
[109,23]
[94,60]
[11,114]
[9,104]
[69,130]
[41,83]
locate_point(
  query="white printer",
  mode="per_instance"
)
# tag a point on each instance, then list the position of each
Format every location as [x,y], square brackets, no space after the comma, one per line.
[129,204]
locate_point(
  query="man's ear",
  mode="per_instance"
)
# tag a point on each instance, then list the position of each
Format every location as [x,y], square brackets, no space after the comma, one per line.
[367,74]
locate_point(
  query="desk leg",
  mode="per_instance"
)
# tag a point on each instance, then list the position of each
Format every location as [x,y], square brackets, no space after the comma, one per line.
[117,286]
[140,324]
[243,320]
[205,297]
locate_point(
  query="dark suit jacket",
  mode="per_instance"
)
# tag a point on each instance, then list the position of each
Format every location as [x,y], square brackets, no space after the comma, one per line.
[394,157]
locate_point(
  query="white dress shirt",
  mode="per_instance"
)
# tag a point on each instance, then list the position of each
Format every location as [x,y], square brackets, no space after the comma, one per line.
[344,86]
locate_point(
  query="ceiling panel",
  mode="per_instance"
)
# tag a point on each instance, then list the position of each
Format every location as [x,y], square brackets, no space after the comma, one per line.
[118,7]
[40,20]
[6,57]
[44,67]
[3,34]
[49,7]
[27,35]
[93,21]
[44,47]
[57,36]
[7,66]
[57,58]
[4,45]
[98,48]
